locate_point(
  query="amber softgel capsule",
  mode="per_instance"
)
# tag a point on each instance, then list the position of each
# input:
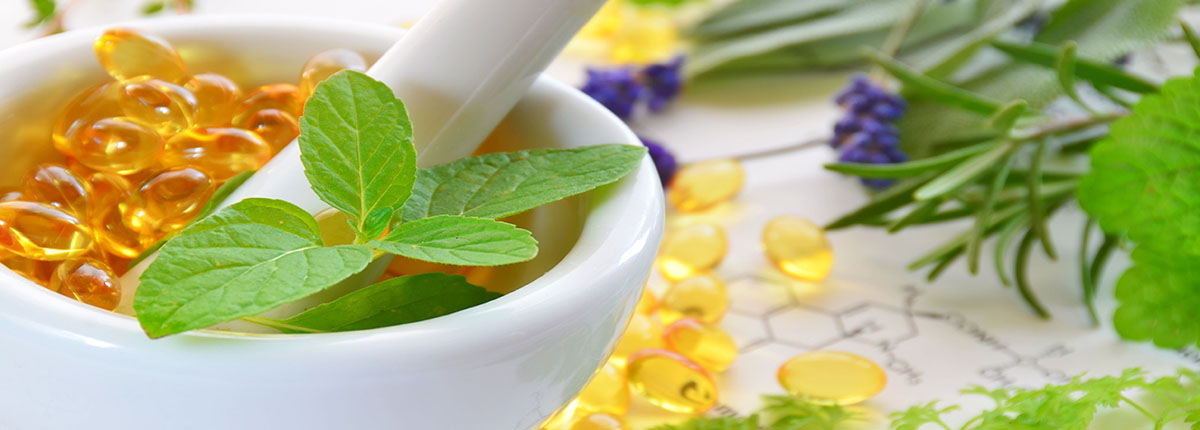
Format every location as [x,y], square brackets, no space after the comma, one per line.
[127,54]
[832,377]
[704,185]
[642,332]
[168,201]
[163,106]
[40,231]
[691,249]
[671,381]
[325,64]
[217,99]
[703,297]
[120,145]
[218,151]
[89,281]
[598,421]
[798,247]
[704,344]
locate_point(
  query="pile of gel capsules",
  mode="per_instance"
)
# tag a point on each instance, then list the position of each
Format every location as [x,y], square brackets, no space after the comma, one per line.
[672,346]
[142,155]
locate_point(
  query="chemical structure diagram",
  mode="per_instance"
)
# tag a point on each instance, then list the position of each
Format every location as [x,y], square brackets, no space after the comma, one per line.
[762,313]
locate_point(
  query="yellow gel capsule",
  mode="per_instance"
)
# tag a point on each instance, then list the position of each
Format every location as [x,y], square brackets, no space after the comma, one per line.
[42,232]
[111,232]
[221,152]
[117,145]
[705,344]
[798,247]
[832,377]
[703,185]
[91,105]
[33,270]
[276,127]
[9,196]
[217,99]
[126,54]
[671,381]
[607,392]
[168,201]
[647,304]
[164,106]
[89,281]
[703,297]
[60,187]
[690,250]
[325,64]
[642,332]
[600,421]
[284,97]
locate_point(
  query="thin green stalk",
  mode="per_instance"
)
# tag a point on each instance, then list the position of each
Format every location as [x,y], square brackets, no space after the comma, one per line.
[1137,407]
[1003,241]
[1191,37]
[279,325]
[900,31]
[1085,273]
[1034,181]
[1106,248]
[982,220]
[1021,273]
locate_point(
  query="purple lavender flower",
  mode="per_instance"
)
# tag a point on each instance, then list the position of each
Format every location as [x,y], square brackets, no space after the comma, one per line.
[616,89]
[663,81]
[663,160]
[865,133]
[862,148]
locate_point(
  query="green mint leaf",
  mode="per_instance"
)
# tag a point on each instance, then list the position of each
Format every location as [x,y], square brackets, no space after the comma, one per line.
[154,7]
[44,11]
[245,259]
[356,146]
[377,222]
[460,241]
[503,184]
[215,201]
[1158,299]
[394,302]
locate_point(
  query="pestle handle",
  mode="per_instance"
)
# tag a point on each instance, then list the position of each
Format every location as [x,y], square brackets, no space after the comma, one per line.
[459,70]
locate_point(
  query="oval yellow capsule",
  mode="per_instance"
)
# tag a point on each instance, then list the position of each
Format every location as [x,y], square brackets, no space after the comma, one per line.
[691,249]
[607,392]
[798,247]
[88,107]
[165,107]
[168,201]
[220,152]
[283,97]
[217,99]
[127,54]
[276,127]
[832,377]
[642,332]
[705,344]
[671,381]
[703,297]
[60,187]
[42,232]
[112,234]
[703,185]
[647,303]
[33,270]
[599,421]
[88,281]
[325,64]
[118,145]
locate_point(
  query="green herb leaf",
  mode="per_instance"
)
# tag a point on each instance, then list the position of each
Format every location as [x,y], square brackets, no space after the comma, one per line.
[964,173]
[460,241]
[394,302]
[377,222]
[1190,35]
[154,7]
[747,15]
[910,168]
[44,11]
[247,258]
[356,146]
[503,184]
[1097,72]
[933,89]
[893,198]
[214,202]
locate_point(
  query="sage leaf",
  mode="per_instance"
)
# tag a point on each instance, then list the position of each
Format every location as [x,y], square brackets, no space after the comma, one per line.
[394,302]
[502,184]
[356,146]
[245,259]
[460,241]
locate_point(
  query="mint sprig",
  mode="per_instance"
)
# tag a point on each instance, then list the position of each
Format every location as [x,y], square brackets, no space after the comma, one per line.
[356,146]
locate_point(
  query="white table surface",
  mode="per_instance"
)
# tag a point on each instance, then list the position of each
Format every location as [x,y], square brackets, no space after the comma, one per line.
[933,338]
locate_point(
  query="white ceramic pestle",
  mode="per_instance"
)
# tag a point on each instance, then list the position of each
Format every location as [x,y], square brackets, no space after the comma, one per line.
[459,70]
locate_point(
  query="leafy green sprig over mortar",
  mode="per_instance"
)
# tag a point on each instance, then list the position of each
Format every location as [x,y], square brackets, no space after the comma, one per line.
[356,147]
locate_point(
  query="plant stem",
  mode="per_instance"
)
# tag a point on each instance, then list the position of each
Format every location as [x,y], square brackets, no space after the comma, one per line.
[899,32]
[278,325]
[1139,408]
[1067,126]
[1085,273]
[1021,272]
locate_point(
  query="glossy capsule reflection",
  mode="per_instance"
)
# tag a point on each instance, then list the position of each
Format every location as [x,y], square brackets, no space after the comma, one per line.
[832,377]
[111,232]
[217,99]
[91,105]
[8,196]
[126,54]
[647,303]
[163,106]
[58,186]
[798,247]
[705,344]
[607,392]
[671,381]
[283,97]
[118,145]
[221,152]
[42,232]
[703,185]
[703,297]
[325,64]
[692,249]
[89,281]
[642,332]
[598,421]
[169,200]
[276,127]
[34,270]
